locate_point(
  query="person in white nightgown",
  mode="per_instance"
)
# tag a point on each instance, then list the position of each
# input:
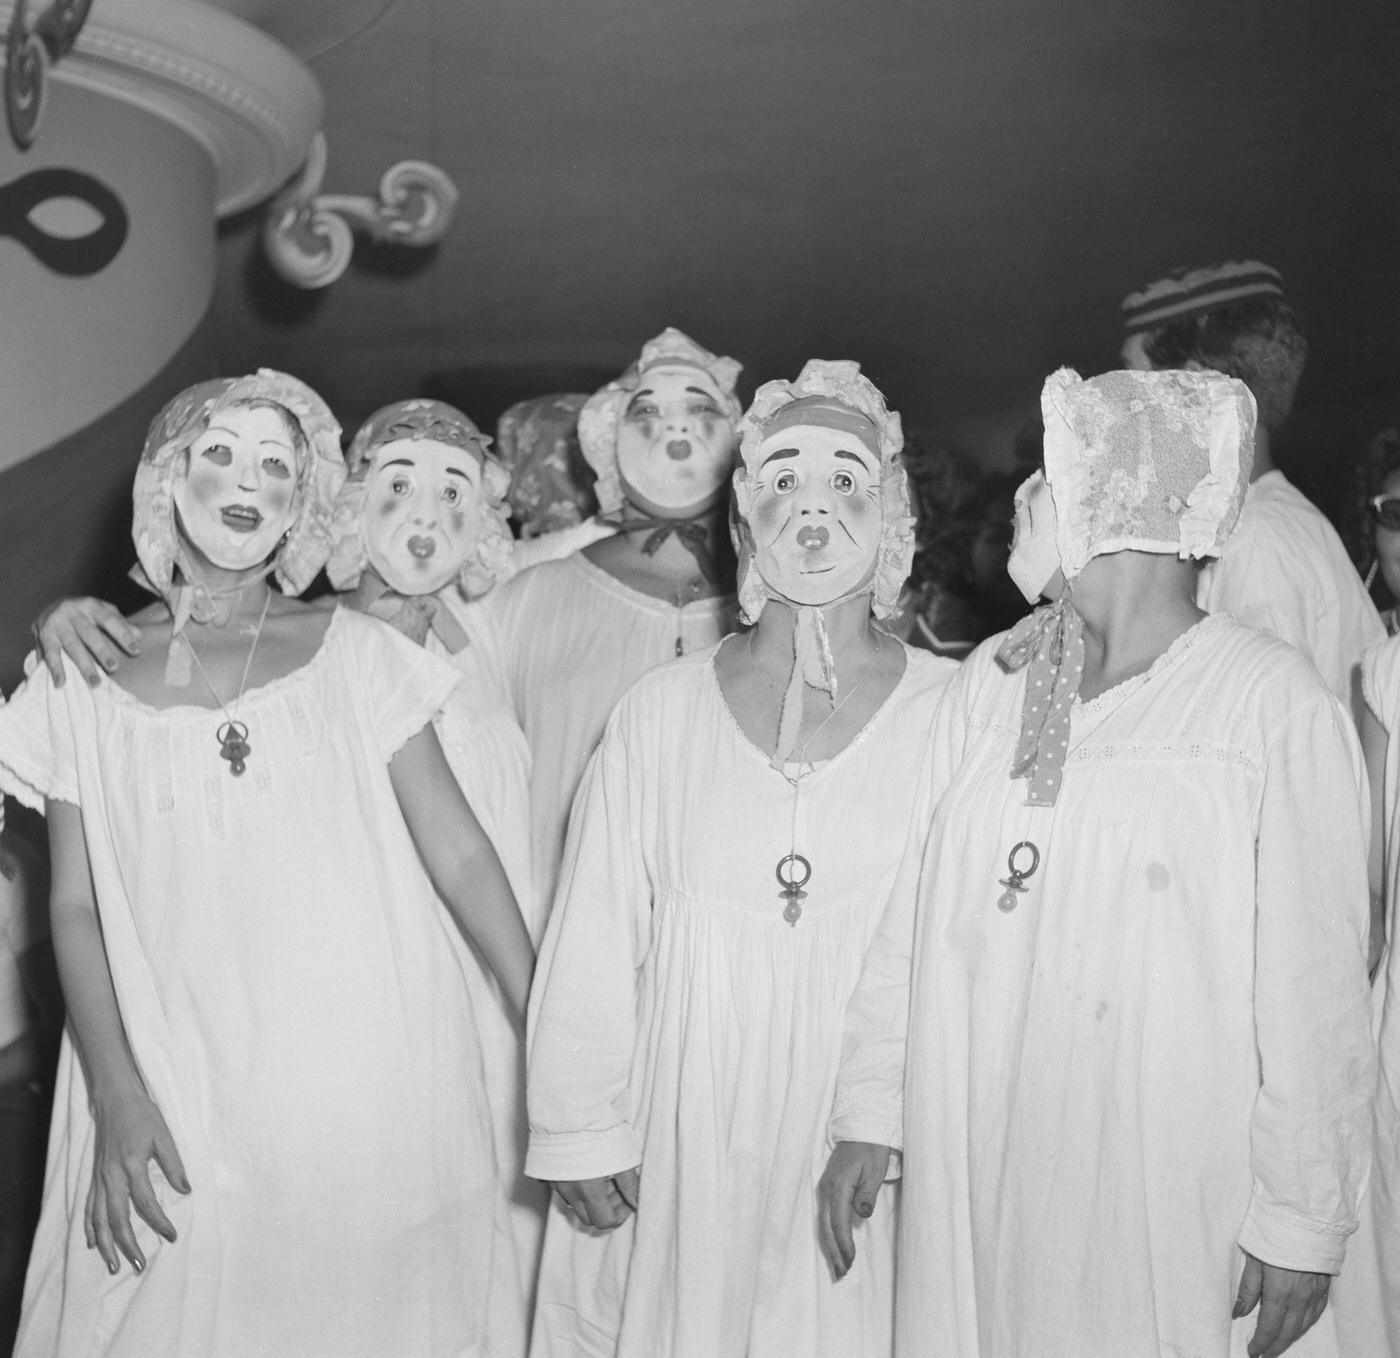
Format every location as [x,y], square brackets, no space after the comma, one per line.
[729,855]
[569,636]
[420,527]
[263,997]
[1139,1059]
[1367,1296]
[575,633]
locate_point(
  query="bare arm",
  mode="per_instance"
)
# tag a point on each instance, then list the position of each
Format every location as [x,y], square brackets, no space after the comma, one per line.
[92,634]
[130,1129]
[463,864]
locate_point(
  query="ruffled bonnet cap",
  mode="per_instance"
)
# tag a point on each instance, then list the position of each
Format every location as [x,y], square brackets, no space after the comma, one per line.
[827,392]
[1136,461]
[163,563]
[429,421]
[602,412]
[1146,461]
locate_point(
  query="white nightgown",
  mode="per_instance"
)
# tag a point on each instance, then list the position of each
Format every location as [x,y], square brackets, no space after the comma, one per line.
[573,640]
[296,1008]
[1366,1297]
[487,752]
[678,1021]
[1162,1052]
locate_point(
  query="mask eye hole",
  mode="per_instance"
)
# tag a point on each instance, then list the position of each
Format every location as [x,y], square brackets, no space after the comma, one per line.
[220,454]
[843,483]
[400,486]
[451,495]
[785,482]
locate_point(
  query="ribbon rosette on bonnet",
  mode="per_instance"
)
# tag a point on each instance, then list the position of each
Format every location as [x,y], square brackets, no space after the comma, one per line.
[163,561]
[1136,461]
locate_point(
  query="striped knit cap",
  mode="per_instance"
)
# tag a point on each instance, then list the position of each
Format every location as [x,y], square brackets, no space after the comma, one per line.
[1190,291]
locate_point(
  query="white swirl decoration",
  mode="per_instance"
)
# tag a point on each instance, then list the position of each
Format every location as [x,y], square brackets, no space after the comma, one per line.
[32,46]
[310,236]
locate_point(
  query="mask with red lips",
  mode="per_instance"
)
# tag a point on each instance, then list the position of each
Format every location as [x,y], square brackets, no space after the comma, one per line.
[675,442]
[816,512]
[422,513]
[237,496]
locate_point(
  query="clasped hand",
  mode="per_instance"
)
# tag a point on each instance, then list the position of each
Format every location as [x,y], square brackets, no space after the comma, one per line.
[130,1134]
[604,1204]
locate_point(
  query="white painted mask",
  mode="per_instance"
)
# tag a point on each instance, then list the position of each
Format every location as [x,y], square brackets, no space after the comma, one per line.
[1035,557]
[815,514]
[422,515]
[675,442]
[237,496]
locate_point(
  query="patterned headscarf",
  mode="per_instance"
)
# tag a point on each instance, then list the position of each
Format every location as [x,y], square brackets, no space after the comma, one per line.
[1136,461]
[163,562]
[602,412]
[436,422]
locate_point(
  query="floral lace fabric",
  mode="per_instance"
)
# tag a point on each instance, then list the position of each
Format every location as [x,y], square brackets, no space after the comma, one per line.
[1146,461]
[551,487]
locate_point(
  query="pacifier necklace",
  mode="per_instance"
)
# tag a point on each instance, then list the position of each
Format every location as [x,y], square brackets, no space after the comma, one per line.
[1021,863]
[232,734]
[793,869]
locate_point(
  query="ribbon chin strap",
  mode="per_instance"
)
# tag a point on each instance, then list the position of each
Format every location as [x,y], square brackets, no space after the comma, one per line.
[1049,646]
[415,615]
[693,534]
[812,664]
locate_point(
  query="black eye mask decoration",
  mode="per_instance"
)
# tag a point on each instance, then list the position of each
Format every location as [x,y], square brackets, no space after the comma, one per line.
[75,256]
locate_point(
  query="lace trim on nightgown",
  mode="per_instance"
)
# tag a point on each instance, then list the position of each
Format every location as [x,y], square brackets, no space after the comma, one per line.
[1120,692]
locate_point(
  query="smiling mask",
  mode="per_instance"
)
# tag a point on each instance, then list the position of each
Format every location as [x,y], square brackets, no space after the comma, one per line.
[204,441]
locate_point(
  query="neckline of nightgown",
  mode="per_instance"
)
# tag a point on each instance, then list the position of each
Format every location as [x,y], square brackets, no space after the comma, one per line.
[1111,697]
[255,695]
[821,767]
[713,603]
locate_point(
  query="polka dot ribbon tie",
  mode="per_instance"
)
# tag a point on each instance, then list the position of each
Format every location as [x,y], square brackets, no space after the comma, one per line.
[1049,645]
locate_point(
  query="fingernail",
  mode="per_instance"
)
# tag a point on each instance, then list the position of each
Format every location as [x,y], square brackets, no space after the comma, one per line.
[1238,1310]
[865,1208]
[109,665]
[94,680]
[138,1264]
[111,1268]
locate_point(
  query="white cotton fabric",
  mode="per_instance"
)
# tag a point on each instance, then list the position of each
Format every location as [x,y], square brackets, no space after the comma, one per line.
[571,639]
[289,989]
[1285,569]
[1366,1298]
[487,752]
[679,1021]
[1087,1141]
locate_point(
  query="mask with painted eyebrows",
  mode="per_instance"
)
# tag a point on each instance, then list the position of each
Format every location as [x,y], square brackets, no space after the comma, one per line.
[815,515]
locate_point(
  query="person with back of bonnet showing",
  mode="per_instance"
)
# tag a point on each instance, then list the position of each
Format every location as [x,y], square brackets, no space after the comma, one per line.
[1285,567]
[729,854]
[1116,1015]
[262,995]
[419,529]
